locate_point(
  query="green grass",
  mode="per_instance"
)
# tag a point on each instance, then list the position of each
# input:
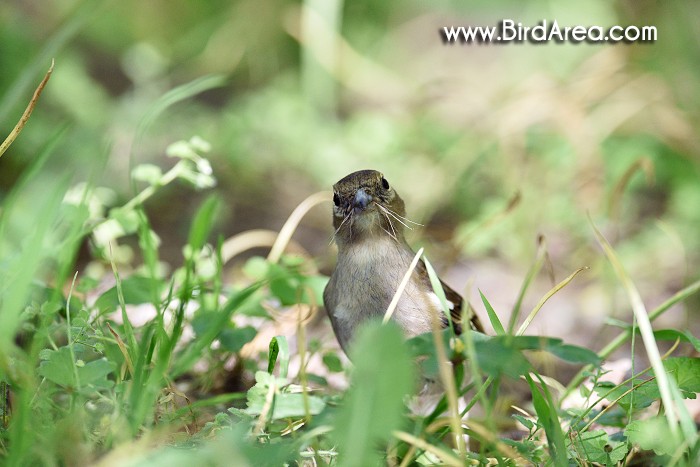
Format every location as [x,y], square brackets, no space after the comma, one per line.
[109,356]
[82,383]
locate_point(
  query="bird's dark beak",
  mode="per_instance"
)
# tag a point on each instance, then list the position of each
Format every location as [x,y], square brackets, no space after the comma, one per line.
[362,200]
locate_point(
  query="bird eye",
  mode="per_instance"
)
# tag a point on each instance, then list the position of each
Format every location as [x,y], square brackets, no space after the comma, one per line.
[385,184]
[336,199]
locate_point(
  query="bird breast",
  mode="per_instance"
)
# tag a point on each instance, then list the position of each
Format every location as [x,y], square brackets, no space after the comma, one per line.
[364,282]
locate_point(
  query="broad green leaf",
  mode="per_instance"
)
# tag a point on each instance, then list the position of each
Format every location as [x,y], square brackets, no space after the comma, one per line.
[496,356]
[284,285]
[574,354]
[597,447]
[567,352]
[59,368]
[686,372]
[652,434]
[643,396]
[95,373]
[673,334]
[374,404]
[233,339]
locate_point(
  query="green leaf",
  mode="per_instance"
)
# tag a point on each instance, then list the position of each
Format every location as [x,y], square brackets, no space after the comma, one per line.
[527,423]
[567,352]
[643,396]
[653,434]
[531,450]
[374,404]
[499,356]
[278,348]
[574,354]
[493,317]
[256,268]
[285,404]
[234,339]
[95,373]
[686,372]
[284,285]
[422,348]
[673,334]
[202,223]
[59,368]
[220,320]
[596,446]
[136,289]
[332,362]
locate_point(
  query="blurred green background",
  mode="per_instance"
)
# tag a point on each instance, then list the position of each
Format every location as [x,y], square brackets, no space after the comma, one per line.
[294,95]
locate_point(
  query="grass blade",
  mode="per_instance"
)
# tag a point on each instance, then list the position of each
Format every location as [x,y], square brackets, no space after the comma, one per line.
[666,386]
[547,414]
[543,300]
[402,285]
[493,317]
[179,94]
[446,375]
[531,273]
[627,334]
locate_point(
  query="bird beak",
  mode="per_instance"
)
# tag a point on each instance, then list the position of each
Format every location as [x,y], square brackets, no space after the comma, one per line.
[362,200]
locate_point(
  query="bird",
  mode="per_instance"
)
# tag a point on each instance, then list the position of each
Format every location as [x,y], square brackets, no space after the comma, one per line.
[369,218]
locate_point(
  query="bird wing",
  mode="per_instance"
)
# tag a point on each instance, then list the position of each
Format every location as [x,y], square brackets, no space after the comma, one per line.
[455,303]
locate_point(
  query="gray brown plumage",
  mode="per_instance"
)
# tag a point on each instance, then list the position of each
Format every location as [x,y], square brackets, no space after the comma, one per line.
[373,256]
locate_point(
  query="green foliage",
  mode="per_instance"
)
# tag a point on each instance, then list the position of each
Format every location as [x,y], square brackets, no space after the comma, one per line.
[89,353]
[279,350]
[548,417]
[493,317]
[272,395]
[149,357]
[652,434]
[374,404]
[596,446]
[59,367]
[286,281]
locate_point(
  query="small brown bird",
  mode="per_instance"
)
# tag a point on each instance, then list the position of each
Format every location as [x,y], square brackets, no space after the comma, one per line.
[373,257]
